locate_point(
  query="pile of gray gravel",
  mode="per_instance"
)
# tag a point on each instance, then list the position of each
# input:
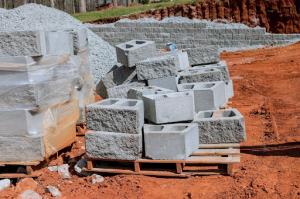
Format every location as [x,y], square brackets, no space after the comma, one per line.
[39,17]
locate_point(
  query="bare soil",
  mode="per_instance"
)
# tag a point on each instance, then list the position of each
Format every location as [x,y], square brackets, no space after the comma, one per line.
[267,92]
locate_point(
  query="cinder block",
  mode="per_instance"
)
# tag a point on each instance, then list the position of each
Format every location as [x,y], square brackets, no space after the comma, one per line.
[201,75]
[203,55]
[221,126]
[165,82]
[131,52]
[139,92]
[207,95]
[117,76]
[113,146]
[116,115]
[22,43]
[157,67]
[122,90]
[169,107]
[171,141]
[222,66]
[59,42]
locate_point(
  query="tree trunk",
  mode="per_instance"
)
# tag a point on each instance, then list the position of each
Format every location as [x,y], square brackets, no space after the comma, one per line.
[52,2]
[82,6]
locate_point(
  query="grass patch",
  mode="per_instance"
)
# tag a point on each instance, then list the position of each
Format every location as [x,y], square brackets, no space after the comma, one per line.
[121,11]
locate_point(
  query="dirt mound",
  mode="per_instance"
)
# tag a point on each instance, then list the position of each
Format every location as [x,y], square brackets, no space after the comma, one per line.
[277,16]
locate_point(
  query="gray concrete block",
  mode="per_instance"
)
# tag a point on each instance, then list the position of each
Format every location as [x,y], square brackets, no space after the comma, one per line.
[22,43]
[131,52]
[36,96]
[203,55]
[165,82]
[21,149]
[116,115]
[171,141]
[169,107]
[157,67]
[207,95]
[117,76]
[201,75]
[139,92]
[222,66]
[222,126]
[113,146]
[122,90]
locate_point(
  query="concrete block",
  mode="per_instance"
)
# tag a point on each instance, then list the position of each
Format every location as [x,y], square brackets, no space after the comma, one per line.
[201,75]
[113,146]
[139,92]
[207,95]
[229,89]
[22,43]
[131,52]
[203,55]
[36,96]
[165,82]
[59,42]
[222,66]
[116,115]
[169,107]
[122,90]
[171,141]
[221,126]
[157,67]
[117,76]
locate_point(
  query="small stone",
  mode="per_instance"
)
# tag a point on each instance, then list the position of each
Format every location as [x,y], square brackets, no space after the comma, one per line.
[4,184]
[29,194]
[63,171]
[53,168]
[97,179]
[54,191]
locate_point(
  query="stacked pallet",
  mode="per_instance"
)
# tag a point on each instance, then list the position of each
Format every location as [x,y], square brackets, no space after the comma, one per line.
[44,79]
[181,108]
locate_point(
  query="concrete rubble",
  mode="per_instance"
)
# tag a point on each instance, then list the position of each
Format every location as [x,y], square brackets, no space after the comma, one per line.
[167,111]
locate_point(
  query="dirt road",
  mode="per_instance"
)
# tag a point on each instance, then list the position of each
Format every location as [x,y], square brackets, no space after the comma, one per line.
[267,92]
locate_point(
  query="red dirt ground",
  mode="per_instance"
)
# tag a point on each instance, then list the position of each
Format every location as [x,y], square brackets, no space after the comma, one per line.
[267,87]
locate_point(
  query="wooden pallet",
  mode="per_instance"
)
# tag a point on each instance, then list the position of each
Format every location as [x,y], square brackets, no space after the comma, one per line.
[209,159]
[10,169]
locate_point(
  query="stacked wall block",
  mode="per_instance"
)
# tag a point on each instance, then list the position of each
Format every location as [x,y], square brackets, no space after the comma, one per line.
[115,129]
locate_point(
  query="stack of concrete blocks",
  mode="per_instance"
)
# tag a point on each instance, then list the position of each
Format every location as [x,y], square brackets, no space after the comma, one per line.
[190,34]
[115,129]
[39,80]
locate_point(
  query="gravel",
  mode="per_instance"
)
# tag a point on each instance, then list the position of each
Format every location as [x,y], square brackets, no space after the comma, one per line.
[39,17]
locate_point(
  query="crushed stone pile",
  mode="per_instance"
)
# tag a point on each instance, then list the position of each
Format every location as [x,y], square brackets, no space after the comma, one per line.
[38,17]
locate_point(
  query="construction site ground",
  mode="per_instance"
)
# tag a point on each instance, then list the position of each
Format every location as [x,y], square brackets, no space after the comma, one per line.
[267,93]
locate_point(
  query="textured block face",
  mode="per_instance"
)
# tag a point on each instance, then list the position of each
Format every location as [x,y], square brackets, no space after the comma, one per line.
[206,75]
[203,55]
[223,126]
[207,95]
[138,93]
[170,107]
[122,90]
[165,82]
[22,43]
[222,66]
[116,115]
[113,146]
[117,76]
[18,149]
[129,53]
[157,67]
[172,141]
